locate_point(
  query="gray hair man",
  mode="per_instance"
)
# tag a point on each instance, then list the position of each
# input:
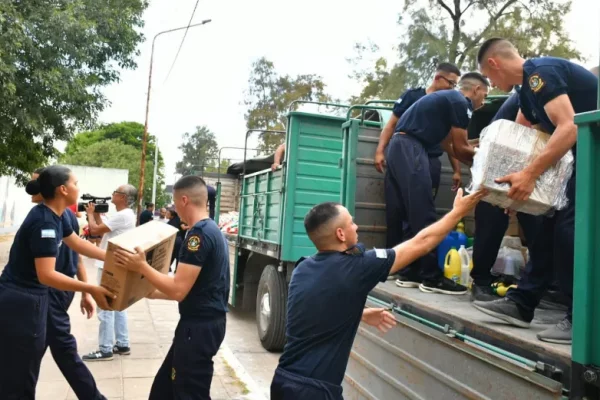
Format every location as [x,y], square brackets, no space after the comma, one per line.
[112,323]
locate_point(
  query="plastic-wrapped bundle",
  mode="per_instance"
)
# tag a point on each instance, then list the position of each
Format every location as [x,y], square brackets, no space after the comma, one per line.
[506,147]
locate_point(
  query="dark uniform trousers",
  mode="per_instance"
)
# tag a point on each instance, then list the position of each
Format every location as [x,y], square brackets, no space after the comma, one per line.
[187,371]
[63,346]
[289,386]
[22,339]
[491,223]
[409,197]
[554,247]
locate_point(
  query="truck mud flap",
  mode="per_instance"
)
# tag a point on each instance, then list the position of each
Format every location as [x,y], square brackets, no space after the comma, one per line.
[420,361]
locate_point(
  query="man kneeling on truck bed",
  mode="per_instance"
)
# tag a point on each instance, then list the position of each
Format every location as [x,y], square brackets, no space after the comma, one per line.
[328,292]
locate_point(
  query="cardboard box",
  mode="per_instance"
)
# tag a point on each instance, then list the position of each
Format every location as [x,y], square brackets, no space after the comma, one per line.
[506,148]
[157,239]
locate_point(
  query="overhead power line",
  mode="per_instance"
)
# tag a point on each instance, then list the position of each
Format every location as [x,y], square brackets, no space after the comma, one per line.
[182,40]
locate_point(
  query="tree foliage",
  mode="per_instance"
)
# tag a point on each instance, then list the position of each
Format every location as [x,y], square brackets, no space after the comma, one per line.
[269,96]
[453,30]
[199,151]
[112,153]
[127,132]
[98,148]
[55,56]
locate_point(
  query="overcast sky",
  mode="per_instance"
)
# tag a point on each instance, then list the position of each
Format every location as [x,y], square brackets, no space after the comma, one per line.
[206,86]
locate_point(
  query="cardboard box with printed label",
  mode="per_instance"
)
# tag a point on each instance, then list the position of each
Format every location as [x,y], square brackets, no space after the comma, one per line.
[157,239]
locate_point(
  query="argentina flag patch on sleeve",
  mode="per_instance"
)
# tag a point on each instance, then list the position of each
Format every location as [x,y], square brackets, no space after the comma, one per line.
[48,234]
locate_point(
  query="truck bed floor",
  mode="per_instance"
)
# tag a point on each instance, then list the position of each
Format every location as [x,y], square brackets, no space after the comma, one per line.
[458,312]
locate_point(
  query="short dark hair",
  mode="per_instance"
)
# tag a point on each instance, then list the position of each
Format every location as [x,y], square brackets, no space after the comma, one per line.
[148,205]
[487,46]
[187,182]
[475,76]
[48,180]
[449,68]
[320,215]
[195,186]
[39,170]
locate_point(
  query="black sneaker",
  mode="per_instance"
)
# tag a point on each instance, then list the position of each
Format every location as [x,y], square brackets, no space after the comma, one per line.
[97,356]
[444,286]
[483,293]
[123,351]
[504,309]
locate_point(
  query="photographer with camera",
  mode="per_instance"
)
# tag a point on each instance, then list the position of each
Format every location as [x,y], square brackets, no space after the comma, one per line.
[112,323]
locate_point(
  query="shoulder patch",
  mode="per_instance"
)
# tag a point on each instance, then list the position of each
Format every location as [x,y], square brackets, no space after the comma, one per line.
[48,234]
[193,243]
[536,83]
[380,253]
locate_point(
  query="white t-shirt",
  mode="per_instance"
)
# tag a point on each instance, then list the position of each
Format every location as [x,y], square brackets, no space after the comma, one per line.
[118,223]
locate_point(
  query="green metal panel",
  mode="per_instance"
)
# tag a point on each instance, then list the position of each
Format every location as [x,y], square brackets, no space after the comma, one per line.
[260,206]
[313,175]
[586,292]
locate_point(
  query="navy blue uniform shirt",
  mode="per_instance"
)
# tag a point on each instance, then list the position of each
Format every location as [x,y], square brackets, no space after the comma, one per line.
[430,119]
[509,109]
[326,298]
[546,78]
[67,260]
[39,236]
[205,246]
[146,216]
[407,99]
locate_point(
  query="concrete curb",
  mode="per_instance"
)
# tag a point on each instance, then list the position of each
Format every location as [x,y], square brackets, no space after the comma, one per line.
[255,392]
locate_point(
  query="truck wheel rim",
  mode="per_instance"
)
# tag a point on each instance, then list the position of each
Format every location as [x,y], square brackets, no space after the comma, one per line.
[265,311]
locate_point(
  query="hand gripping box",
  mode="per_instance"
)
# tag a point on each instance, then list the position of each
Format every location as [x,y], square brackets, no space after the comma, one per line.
[157,239]
[506,147]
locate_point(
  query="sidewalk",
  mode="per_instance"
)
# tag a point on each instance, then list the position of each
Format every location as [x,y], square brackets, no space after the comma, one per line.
[151,327]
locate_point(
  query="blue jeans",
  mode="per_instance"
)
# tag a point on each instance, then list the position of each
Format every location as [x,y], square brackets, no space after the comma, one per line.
[112,323]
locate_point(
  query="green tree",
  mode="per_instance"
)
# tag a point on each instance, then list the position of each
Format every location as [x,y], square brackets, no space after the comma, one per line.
[199,150]
[127,133]
[112,153]
[453,31]
[269,96]
[55,56]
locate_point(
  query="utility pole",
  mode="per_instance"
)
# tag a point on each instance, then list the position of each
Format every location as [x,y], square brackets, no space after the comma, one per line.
[145,137]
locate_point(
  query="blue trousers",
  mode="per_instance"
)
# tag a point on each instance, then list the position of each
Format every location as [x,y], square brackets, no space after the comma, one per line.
[289,386]
[490,225]
[22,339]
[409,194]
[187,371]
[553,248]
[63,346]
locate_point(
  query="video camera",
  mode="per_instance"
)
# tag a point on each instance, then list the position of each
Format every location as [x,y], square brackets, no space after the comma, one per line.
[100,203]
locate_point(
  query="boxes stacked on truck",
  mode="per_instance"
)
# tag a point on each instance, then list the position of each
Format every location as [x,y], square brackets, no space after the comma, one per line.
[507,147]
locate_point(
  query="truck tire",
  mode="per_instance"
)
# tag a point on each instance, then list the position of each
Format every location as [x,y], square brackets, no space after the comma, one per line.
[271,309]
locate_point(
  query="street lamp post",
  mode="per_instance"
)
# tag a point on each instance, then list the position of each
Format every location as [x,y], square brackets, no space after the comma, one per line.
[145,137]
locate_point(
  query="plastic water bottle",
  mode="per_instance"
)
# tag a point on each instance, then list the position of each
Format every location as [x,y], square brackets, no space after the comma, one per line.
[452,266]
[465,266]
